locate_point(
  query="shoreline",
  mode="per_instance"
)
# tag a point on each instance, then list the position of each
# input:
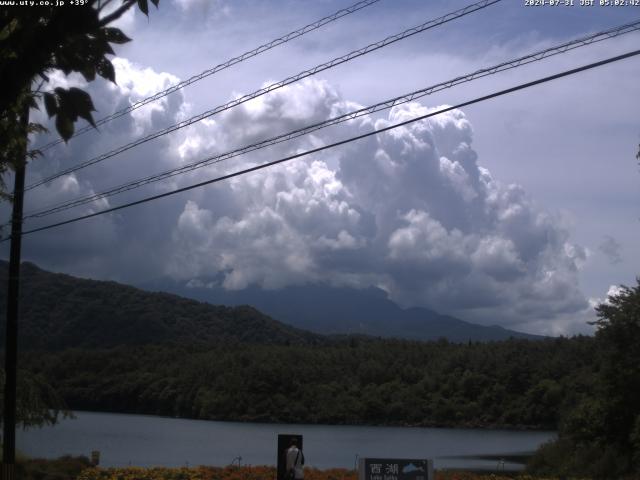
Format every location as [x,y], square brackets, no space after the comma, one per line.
[261,421]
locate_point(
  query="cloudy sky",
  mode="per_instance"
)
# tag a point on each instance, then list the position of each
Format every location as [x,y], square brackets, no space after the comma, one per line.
[520,211]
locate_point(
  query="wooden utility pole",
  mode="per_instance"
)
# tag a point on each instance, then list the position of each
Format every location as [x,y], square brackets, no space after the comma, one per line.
[11,340]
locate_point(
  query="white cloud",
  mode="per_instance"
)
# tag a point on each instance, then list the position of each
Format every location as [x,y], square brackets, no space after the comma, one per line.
[410,210]
[136,83]
[203,9]
[614,290]
[582,322]
[579,322]
[518,260]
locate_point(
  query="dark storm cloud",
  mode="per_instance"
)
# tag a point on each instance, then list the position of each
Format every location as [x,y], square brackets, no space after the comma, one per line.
[410,211]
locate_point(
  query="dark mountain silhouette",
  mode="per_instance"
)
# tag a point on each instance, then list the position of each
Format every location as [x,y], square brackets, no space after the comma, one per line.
[327,310]
[60,311]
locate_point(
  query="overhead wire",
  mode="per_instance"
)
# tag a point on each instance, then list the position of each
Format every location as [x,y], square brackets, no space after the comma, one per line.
[274,86]
[336,144]
[503,66]
[222,66]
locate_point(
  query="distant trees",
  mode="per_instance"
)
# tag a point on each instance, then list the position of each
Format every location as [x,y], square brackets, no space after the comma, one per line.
[376,382]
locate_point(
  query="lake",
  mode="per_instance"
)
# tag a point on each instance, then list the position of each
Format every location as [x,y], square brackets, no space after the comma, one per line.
[144,440]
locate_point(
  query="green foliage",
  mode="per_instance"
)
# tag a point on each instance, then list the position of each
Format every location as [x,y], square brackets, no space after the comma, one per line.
[13,143]
[376,382]
[68,105]
[600,437]
[619,338]
[63,468]
[586,422]
[144,5]
[37,40]
[634,438]
[37,402]
[565,459]
[60,311]
[111,347]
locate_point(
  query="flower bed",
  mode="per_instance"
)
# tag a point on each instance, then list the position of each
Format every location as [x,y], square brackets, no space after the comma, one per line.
[258,473]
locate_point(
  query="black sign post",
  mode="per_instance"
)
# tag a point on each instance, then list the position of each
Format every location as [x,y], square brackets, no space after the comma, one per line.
[395,469]
[284,442]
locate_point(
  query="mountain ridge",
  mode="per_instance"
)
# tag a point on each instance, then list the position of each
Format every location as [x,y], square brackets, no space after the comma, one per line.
[59,311]
[328,310]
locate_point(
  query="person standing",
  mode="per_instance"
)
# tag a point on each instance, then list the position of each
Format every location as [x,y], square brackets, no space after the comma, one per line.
[295,461]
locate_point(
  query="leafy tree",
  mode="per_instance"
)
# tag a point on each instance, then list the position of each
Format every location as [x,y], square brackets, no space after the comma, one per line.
[600,437]
[38,403]
[619,335]
[35,41]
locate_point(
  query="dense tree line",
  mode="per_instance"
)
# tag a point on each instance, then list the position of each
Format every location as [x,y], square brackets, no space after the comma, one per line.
[516,383]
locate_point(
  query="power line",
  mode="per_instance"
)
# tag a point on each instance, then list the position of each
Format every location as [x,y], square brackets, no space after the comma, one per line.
[507,65]
[229,63]
[341,142]
[275,86]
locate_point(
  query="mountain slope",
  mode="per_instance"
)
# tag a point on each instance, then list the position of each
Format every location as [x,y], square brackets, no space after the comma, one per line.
[60,311]
[328,310]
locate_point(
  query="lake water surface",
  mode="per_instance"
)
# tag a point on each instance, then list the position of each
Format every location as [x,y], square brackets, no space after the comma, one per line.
[143,440]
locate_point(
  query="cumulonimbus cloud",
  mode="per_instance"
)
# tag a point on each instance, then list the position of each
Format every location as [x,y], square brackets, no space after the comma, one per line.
[411,211]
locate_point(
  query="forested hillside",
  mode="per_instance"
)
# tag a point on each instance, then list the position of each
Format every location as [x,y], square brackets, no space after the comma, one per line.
[109,347]
[516,383]
[60,311]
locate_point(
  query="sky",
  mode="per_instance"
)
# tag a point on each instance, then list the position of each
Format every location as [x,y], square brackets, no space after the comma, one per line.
[520,211]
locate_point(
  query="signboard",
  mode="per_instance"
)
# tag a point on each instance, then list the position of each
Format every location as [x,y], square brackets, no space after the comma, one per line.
[395,469]
[284,441]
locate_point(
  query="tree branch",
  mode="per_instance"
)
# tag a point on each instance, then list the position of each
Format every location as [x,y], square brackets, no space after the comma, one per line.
[102,4]
[117,13]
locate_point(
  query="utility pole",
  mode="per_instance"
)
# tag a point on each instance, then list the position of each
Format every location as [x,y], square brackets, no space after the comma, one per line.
[11,340]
